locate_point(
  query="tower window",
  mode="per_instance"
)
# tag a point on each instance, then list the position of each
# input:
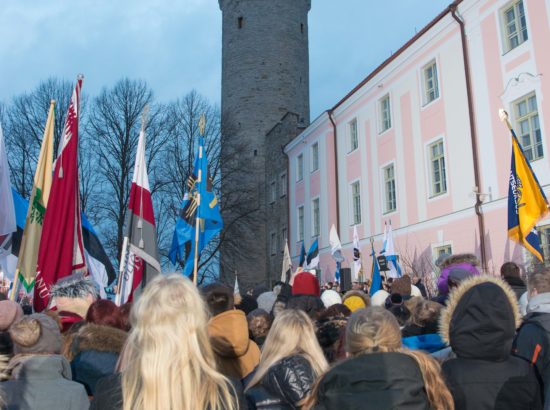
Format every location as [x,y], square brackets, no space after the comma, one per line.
[240,22]
[302,28]
[255,152]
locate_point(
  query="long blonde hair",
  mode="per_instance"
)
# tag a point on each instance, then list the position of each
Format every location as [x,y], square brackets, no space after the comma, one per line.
[168,362]
[291,334]
[376,330]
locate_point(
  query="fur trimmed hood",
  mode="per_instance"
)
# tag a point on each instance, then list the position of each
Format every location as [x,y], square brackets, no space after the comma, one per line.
[460,258]
[100,338]
[480,319]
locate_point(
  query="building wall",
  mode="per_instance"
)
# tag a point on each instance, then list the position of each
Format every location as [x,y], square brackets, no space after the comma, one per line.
[422,222]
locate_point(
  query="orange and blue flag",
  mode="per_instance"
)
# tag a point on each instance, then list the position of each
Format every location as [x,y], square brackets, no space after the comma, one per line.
[527,203]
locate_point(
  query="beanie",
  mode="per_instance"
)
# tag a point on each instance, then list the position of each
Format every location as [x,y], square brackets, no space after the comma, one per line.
[266,301]
[402,286]
[354,302]
[330,297]
[379,298]
[10,312]
[305,284]
[37,333]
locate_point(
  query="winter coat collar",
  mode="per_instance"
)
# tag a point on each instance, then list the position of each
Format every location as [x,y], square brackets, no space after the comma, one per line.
[229,333]
[539,303]
[100,338]
[480,319]
[37,366]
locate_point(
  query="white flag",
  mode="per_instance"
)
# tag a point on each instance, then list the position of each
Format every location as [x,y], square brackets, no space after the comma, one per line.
[356,255]
[286,272]
[236,290]
[335,245]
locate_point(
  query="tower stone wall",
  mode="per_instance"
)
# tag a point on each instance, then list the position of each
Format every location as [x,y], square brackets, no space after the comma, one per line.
[265,74]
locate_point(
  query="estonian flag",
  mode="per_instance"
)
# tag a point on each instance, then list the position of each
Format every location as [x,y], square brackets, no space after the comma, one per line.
[313,256]
[527,203]
[302,255]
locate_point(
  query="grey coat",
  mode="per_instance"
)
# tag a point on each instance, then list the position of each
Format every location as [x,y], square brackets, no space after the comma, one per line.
[42,382]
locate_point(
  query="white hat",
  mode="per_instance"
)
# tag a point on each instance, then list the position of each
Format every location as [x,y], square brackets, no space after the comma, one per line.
[379,298]
[330,297]
[415,291]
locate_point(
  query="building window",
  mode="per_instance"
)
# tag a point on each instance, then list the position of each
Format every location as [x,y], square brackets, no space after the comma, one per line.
[442,250]
[544,236]
[385,113]
[389,189]
[240,22]
[356,202]
[284,234]
[437,166]
[527,124]
[353,140]
[430,82]
[300,167]
[273,243]
[283,185]
[515,25]
[316,218]
[300,223]
[315,157]
[273,192]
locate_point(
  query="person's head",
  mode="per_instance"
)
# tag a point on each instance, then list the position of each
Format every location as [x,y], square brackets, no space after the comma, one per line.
[105,313]
[259,323]
[291,334]
[375,330]
[74,293]
[425,313]
[279,306]
[538,282]
[402,286]
[218,297]
[510,270]
[330,297]
[124,311]
[457,276]
[10,312]
[356,299]
[168,358]
[305,283]
[36,334]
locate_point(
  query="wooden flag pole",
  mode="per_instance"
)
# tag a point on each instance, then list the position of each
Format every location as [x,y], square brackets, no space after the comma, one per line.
[202,123]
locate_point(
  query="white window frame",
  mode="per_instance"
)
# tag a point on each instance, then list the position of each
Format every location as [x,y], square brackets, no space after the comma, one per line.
[284,184]
[430,169]
[315,218]
[438,249]
[314,157]
[426,88]
[300,167]
[352,196]
[300,232]
[521,32]
[353,133]
[384,123]
[385,207]
[532,118]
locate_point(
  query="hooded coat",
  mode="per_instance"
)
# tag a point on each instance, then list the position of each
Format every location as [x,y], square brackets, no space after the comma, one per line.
[42,382]
[95,351]
[465,261]
[373,381]
[236,354]
[479,324]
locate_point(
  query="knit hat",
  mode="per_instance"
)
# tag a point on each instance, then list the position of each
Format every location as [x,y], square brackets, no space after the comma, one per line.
[10,312]
[379,298]
[266,301]
[37,333]
[305,284]
[330,297]
[354,303]
[402,286]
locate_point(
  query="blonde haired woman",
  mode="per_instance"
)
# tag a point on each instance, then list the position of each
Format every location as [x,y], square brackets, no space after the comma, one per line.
[380,374]
[167,362]
[291,361]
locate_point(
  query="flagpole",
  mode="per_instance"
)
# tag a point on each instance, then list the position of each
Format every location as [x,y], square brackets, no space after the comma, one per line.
[504,118]
[202,123]
[121,270]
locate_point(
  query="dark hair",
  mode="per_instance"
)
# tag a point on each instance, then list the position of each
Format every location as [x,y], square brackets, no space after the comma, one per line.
[248,304]
[509,269]
[124,311]
[338,309]
[401,313]
[106,313]
[218,297]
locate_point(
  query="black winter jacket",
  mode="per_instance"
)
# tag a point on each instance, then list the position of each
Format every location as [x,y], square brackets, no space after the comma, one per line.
[284,386]
[374,381]
[479,324]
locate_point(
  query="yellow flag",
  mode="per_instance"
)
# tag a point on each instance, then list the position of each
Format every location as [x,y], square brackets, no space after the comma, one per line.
[28,252]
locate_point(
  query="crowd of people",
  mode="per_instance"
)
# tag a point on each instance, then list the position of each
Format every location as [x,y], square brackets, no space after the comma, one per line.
[483,342]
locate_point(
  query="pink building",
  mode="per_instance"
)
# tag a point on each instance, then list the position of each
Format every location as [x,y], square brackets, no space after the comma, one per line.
[419,142]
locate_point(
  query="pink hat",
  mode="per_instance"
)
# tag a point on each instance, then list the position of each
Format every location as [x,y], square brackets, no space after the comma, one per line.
[10,312]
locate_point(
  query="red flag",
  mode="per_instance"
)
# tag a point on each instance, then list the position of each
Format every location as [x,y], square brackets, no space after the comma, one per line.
[61,250]
[142,263]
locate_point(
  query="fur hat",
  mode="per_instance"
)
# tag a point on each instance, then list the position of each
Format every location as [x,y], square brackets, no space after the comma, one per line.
[266,301]
[248,304]
[305,284]
[379,298]
[10,312]
[37,333]
[402,286]
[330,297]
[356,299]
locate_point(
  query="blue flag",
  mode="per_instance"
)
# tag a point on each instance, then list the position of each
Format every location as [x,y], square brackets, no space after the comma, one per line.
[201,205]
[376,284]
[527,203]
[312,260]
[302,255]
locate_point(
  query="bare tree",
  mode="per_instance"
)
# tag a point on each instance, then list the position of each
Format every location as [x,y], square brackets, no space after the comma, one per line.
[114,122]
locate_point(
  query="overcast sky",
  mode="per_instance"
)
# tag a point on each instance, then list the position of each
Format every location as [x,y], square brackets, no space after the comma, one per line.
[175,45]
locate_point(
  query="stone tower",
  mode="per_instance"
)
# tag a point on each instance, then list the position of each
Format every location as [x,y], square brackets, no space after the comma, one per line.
[265,75]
